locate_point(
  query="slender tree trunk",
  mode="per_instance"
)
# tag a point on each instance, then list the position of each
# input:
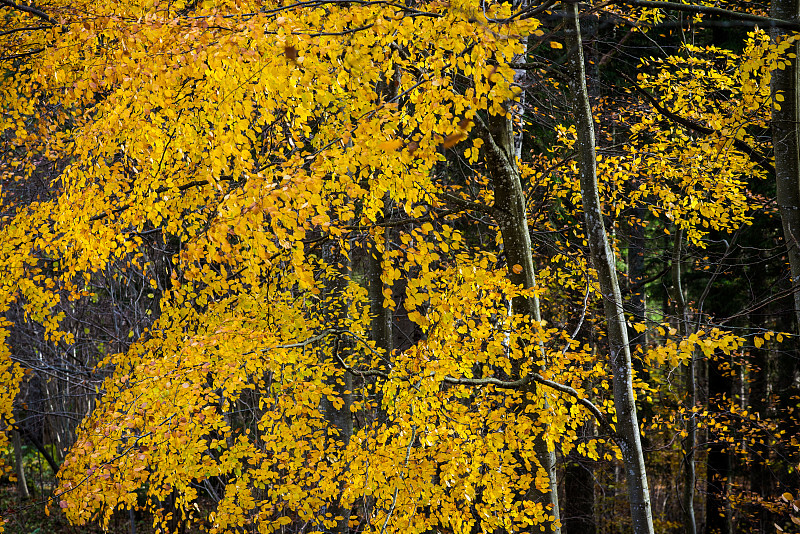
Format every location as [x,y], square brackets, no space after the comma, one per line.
[719,465]
[761,473]
[602,256]
[511,216]
[132,520]
[22,484]
[579,483]
[381,327]
[636,274]
[380,315]
[785,126]
[690,441]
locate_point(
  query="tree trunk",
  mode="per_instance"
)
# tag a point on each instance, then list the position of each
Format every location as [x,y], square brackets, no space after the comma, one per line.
[602,256]
[689,443]
[579,483]
[339,418]
[381,315]
[636,276]
[786,143]
[19,467]
[785,135]
[511,216]
[719,470]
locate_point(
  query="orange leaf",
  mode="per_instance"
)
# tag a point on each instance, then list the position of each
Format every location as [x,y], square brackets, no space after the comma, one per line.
[452,139]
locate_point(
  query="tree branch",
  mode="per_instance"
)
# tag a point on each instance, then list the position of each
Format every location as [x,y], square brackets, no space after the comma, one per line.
[21,55]
[751,152]
[474,382]
[708,10]
[533,377]
[467,204]
[27,9]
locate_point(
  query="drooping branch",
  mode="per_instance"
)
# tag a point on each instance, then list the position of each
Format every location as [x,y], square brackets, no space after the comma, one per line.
[39,447]
[471,382]
[583,401]
[689,124]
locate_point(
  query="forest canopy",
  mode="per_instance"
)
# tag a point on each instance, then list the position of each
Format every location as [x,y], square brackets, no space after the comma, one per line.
[369,266]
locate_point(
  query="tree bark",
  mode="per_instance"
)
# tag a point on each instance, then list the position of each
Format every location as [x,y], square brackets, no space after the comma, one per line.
[689,443]
[719,464]
[785,135]
[636,275]
[19,467]
[602,256]
[579,480]
[339,418]
[381,315]
[511,216]
[786,143]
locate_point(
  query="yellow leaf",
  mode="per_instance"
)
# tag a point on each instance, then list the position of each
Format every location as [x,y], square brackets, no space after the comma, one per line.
[391,145]
[556,45]
[757,341]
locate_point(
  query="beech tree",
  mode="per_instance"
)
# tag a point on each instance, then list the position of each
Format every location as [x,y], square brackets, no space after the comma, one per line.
[314,172]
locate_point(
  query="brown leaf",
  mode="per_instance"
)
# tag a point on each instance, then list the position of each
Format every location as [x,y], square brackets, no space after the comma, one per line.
[452,139]
[291,53]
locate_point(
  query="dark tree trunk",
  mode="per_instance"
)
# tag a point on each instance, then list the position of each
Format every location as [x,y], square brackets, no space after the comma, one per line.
[511,216]
[785,127]
[19,467]
[719,466]
[579,501]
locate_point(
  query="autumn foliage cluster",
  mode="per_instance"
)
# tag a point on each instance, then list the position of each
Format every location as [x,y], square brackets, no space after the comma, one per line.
[329,266]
